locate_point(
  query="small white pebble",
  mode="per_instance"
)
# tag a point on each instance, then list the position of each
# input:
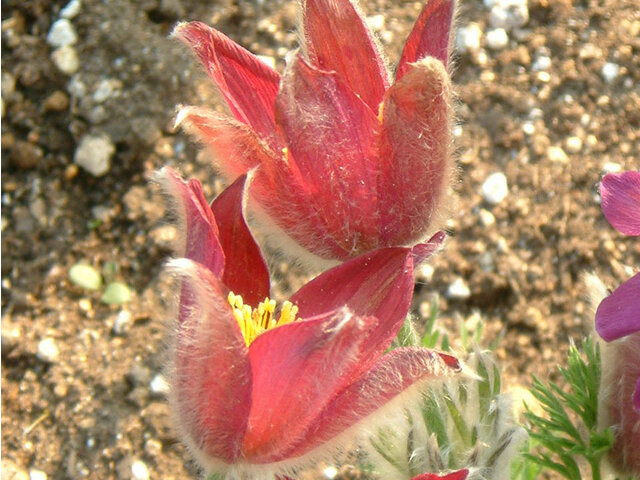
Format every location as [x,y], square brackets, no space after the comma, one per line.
[487,218]
[543,77]
[497,39]
[495,188]
[543,62]
[375,22]
[573,144]
[139,470]
[611,167]
[610,71]
[71,10]
[66,59]
[267,60]
[468,38]
[62,33]
[94,154]
[425,272]
[458,290]
[509,14]
[330,472]
[528,128]
[159,385]
[557,155]
[105,90]
[122,322]
[35,474]
[47,350]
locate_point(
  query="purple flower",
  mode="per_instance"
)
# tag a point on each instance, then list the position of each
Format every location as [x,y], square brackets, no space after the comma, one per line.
[618,323]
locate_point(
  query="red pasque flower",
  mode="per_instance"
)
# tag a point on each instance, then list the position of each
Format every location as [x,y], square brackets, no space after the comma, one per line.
[457,475]
[350,160]
[618,323]
[261,391]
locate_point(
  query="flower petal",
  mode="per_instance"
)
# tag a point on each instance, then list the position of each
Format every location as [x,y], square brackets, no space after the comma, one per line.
[422,251]
[331,136]
[415,152]
[235,148]
[619,314]
[245,271]
[378,284]
[620,194]
[457,475]
[338,39]
[616,407]
[211,374]
[248,85]
[200,236]
[298,369]
[636,396]
[431,35]
[392,375]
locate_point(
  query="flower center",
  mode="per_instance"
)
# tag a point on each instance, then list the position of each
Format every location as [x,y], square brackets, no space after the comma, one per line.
[255,321]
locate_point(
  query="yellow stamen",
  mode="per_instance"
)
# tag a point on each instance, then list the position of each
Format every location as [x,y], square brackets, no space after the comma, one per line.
[256,321]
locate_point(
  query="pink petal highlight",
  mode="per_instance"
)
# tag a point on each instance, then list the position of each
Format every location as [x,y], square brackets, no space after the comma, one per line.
[196,222]
[458,475]
[330,134]
[211,373]
[248,85]
[620,194]
[378,284]
[298,368]
[236,149]
[431,35]
[338,39]
[619,314]
[392,375]
[245,271]
[415,152]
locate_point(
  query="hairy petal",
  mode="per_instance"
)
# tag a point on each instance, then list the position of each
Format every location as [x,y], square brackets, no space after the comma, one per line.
[378,284]
[245,271]
[619,314]
[422,251]
[391,375]
[298,369]
[431,35]
[331,136]
[235,148]
[248,85]
[415,152]
[338,39]
[211,374]
[620,194]
[457,475]
[197,227]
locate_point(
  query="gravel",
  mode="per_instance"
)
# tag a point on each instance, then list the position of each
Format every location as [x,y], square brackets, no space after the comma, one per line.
[94,154]
[62,34]
[495,188]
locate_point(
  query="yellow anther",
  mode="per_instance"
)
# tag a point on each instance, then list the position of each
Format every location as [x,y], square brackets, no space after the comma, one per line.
[254,322]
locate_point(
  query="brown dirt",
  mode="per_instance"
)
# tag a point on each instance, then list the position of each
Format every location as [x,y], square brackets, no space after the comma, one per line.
[90,412]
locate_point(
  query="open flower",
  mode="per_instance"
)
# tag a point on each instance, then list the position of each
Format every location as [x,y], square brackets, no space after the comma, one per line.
[350,160]
[258,391]
[618,323]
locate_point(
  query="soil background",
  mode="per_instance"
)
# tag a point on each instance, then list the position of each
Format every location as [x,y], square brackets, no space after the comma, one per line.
[92,405]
